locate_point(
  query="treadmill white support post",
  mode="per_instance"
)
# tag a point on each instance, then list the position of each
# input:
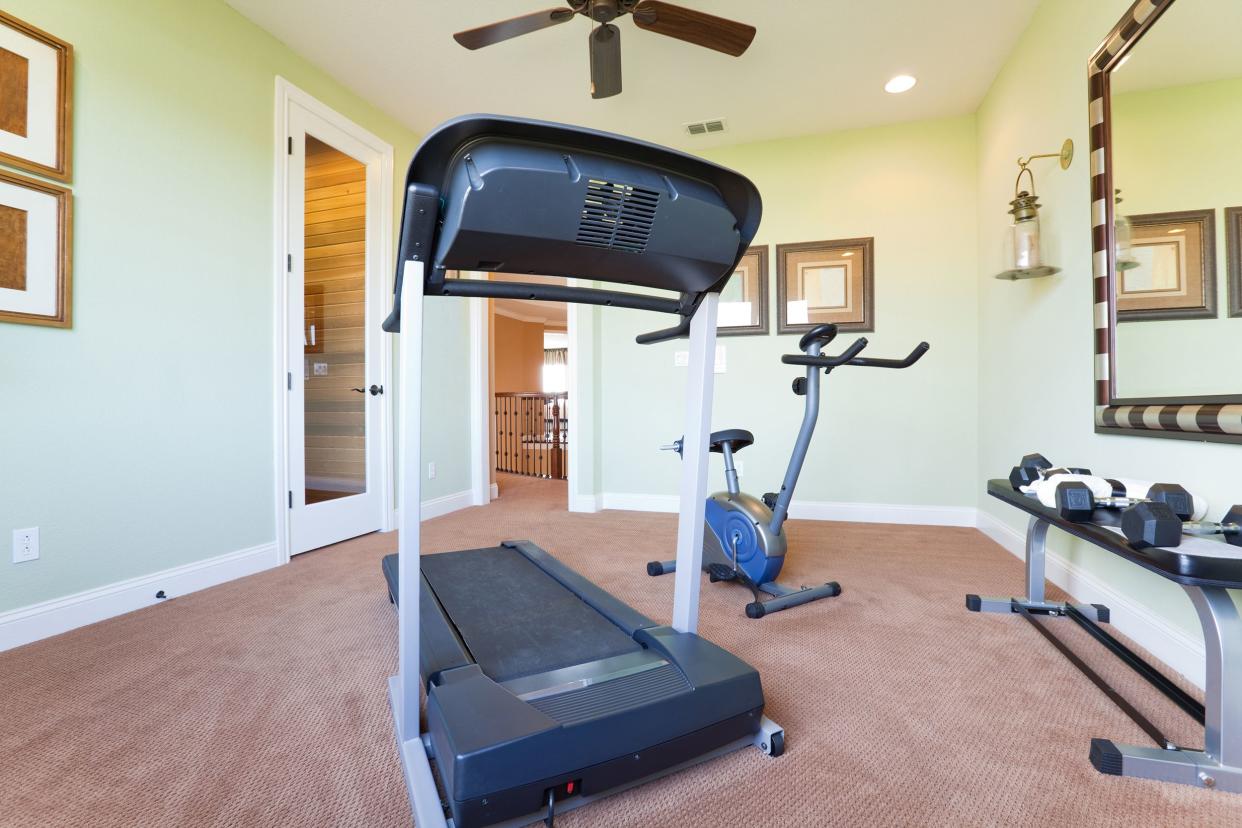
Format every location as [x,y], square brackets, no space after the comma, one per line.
[698,423]
[404,688]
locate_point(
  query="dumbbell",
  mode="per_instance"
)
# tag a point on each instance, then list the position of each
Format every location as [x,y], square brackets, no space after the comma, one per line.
[1035,467]
[1075,500]
[1155,524]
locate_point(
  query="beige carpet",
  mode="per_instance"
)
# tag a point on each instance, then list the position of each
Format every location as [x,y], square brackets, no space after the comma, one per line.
[262,702]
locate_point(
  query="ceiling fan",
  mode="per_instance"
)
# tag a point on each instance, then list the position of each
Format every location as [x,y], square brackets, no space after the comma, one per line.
[667,19]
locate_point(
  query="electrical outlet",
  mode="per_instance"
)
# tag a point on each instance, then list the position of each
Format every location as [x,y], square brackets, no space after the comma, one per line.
[25,545]
[321,369]
[431,471]
[740,466]
[681,359]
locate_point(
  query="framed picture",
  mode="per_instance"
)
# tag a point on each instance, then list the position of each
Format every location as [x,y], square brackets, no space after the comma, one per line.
[1233,248]
[36,99]
[1174,271]
[35,242]
[826,281]
[744,300]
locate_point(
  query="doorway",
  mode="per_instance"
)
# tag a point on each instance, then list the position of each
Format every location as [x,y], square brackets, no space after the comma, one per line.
[528,402]
[336,204]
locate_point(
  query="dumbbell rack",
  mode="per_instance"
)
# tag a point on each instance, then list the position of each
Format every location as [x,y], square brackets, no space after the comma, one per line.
[1206,570]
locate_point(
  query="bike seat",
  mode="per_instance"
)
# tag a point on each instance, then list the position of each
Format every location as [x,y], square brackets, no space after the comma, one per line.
[736,438]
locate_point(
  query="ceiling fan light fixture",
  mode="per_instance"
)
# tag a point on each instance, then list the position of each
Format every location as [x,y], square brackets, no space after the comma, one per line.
[900,83]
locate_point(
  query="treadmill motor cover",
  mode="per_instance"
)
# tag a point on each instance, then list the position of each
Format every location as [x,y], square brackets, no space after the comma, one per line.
[490,193]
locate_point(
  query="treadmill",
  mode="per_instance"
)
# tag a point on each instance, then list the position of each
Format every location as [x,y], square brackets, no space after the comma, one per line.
[543,691]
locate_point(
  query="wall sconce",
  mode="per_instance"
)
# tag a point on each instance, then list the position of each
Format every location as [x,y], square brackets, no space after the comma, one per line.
[1123,253]
[1022,247]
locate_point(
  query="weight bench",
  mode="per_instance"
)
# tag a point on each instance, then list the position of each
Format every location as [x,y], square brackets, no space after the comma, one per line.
[1206,570]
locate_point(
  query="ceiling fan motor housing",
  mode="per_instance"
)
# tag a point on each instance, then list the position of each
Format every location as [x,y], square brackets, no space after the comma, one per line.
[602,11]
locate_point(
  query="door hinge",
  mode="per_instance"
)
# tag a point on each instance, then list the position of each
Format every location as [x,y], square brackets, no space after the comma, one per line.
[289,262]
[289,377]
[291,145]
[291,499]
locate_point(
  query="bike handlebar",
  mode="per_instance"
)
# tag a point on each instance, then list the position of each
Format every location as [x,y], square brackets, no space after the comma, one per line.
[850,357]
[823,334]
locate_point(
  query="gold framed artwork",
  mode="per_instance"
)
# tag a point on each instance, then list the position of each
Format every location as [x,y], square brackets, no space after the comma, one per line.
[744,300]
[35,258]
[826,282]
[1175,276]
[36,99]
[1233,250]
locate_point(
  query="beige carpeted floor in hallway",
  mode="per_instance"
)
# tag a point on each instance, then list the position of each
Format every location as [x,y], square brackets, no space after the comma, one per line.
[262,702]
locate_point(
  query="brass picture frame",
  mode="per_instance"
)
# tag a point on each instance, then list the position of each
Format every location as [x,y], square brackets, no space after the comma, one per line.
[1176,278]
[36,288]
[33,63]
[826,282]
[746,295]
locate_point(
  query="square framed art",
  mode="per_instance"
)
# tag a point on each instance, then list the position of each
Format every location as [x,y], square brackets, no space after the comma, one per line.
[1175,272]
[744,300]
[826,282]
[36,99]
[35,260]
[1233,251]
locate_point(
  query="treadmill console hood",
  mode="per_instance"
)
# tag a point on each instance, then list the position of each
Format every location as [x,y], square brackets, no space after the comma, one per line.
[490,193]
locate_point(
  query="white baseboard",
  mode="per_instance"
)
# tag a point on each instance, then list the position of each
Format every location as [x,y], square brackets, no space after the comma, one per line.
[47,618]
[494,491]
[584,503]
[1181,652]
[816,510]
[440,506]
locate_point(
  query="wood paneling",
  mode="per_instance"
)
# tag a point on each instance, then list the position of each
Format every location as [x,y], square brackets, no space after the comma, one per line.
[335,262]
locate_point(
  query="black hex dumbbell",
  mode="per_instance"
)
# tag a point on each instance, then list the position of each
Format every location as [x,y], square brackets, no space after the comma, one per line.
[1075,501]
[1035,467]
[1155,524]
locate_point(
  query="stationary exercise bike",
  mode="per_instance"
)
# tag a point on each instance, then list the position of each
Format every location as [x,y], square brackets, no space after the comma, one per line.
[744,539]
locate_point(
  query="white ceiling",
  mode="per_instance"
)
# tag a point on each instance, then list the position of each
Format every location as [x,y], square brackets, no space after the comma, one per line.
[815,65]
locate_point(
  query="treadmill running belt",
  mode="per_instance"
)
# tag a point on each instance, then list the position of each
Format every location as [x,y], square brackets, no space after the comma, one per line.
[515,619]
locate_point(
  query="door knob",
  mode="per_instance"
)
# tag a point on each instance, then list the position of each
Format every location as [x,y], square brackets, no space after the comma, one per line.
[375,390]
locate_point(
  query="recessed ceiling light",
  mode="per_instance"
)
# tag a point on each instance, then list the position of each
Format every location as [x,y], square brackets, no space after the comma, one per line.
[899,84]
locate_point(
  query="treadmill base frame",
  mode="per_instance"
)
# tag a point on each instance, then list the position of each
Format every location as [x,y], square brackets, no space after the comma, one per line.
[429,808]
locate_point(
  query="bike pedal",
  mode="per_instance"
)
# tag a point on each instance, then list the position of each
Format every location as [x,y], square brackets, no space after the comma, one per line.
[721,572]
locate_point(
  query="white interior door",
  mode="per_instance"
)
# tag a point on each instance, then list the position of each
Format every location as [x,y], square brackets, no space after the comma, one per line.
[336,455]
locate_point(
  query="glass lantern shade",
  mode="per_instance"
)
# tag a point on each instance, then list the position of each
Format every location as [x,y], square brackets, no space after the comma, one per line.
[1123,234]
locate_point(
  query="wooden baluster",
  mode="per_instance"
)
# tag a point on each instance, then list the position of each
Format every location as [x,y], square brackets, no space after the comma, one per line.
[556,438]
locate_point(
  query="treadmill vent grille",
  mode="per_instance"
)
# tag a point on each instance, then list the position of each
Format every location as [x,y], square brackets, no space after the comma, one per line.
[617,216]
[614,696]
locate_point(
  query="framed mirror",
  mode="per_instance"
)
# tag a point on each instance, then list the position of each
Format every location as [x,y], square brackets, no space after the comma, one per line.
[1166,110]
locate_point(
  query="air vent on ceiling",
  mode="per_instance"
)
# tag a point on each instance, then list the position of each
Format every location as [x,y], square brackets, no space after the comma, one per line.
[617,216]
[706,127]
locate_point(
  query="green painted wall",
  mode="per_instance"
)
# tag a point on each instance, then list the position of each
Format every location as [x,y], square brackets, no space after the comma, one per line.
[143,438]
[1175,149]
[884,437]
[1035,355]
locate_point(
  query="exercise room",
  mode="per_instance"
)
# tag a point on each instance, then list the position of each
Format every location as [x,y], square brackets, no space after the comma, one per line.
[620,412]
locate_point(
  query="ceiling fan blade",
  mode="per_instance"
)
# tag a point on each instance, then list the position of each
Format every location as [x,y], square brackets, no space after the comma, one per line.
[513,27]
[605,61]
[695,27]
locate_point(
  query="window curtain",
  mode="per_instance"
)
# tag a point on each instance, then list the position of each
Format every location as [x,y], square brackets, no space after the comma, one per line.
[556,356]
